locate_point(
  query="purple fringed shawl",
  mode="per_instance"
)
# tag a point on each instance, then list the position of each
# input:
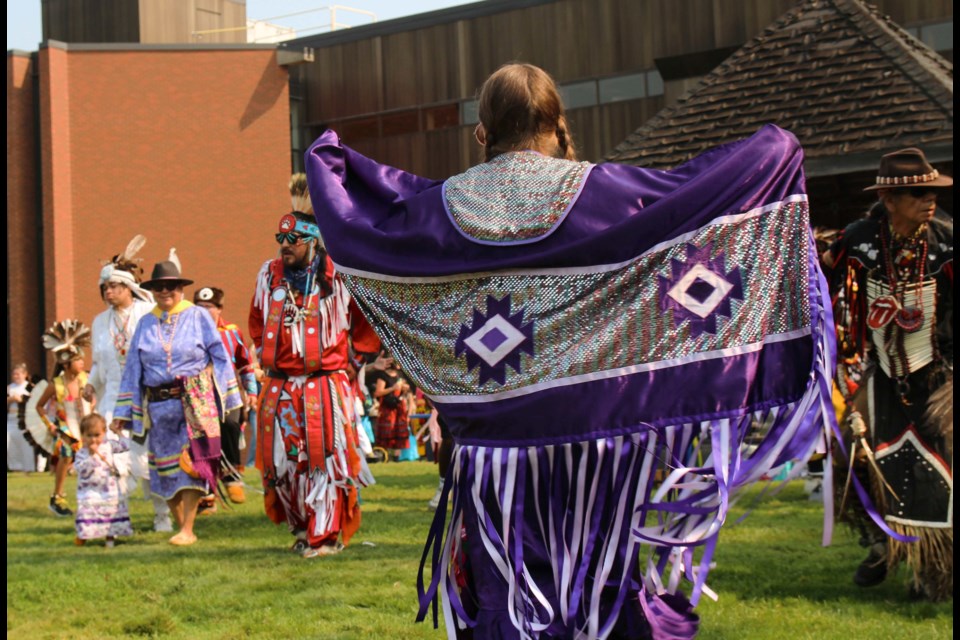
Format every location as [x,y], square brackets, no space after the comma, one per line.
[614,364]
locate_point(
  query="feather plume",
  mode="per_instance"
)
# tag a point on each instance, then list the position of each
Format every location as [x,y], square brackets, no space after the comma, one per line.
[133,247]
[299,194]
[175,259]
[67,339]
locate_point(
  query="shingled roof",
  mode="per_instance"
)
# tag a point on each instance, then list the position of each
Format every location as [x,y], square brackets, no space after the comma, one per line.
[846,80]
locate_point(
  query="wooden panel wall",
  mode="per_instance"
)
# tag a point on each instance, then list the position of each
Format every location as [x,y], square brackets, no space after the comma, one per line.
[143,21]
[90,20]
[175,21]
[572,39]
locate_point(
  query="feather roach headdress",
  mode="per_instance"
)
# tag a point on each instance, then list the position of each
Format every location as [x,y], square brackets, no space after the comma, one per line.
[300,219]
[299,195]
[66,340]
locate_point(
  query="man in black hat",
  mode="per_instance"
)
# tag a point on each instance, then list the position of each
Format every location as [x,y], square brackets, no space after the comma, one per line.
[211,299]
[178,383]
[892,274]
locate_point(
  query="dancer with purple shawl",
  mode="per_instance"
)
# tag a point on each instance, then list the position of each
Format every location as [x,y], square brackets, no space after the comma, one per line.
[177,383]
[552,310]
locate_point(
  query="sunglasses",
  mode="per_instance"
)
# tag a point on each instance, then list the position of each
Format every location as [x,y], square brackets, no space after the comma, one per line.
[290,238]
[917,192]
[166,286]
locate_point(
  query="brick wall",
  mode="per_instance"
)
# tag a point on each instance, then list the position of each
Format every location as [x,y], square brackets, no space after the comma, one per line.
[23,273]
[189,147]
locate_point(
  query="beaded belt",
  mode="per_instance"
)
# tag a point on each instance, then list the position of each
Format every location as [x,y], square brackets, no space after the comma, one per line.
[164,392]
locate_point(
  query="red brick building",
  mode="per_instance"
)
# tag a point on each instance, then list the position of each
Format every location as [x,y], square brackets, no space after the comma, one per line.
[188,145]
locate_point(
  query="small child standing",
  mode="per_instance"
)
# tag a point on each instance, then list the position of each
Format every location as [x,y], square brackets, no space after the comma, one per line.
[101,502]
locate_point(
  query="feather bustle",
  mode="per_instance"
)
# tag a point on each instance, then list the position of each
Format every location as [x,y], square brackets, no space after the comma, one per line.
[70,334]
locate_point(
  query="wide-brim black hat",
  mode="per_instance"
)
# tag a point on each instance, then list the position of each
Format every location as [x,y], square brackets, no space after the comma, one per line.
[165,272]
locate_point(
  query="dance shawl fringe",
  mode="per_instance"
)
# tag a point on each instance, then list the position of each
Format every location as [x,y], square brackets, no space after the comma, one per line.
[602,508]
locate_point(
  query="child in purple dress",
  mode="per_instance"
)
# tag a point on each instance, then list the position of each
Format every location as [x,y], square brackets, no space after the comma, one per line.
[101,502]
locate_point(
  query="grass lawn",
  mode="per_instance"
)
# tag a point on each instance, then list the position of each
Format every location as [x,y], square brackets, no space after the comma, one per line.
[773,578]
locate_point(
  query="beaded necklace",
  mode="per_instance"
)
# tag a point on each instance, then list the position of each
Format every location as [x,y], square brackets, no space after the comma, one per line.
[120,332]
[911,261]
[294,315]
[912,258]
[167,344]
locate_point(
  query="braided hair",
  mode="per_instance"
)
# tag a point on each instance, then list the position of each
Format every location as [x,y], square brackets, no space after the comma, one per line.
[520,106]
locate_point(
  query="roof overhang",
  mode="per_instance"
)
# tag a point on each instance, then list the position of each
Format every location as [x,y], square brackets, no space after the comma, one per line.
[868,161]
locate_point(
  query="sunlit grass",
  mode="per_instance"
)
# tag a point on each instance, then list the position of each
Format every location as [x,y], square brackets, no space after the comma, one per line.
[773,577]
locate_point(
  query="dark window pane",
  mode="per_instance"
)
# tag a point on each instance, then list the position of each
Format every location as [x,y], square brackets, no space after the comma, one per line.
[441,117]
[398,123]
[359,129]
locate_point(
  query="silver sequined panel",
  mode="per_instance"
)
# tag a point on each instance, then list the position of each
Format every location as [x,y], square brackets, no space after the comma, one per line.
[515,197]
[587,323]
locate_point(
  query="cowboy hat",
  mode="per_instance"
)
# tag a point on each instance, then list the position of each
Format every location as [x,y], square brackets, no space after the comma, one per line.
[164,272]
[907,168]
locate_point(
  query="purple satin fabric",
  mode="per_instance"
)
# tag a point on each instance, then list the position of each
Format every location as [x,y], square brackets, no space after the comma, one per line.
[384,220]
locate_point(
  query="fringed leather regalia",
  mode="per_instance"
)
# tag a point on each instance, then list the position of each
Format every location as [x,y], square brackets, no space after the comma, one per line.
[602,341]
[894,308]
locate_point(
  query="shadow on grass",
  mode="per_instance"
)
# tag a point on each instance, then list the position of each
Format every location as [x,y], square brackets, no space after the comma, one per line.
[783,559]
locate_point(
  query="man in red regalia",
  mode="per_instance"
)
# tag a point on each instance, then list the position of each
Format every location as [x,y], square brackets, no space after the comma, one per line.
[302,321]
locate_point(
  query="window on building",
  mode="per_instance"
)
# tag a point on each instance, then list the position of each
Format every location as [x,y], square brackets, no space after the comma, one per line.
[654,83]
[579,94]
[470,112]
[938,37]
[441,117]
[358,129]
[623,88]
[298,139]
[394,124]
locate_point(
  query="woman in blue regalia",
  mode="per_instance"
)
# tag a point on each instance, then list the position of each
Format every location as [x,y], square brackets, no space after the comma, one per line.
[177,383]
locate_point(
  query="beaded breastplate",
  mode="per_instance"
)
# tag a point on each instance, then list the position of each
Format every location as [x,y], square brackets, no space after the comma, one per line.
[903,352]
